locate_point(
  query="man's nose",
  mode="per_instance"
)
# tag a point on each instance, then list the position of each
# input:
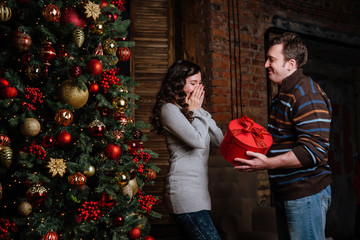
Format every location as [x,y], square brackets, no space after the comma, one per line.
[267,64]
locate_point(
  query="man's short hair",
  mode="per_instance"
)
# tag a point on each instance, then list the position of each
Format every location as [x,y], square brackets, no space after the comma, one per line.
[293,48]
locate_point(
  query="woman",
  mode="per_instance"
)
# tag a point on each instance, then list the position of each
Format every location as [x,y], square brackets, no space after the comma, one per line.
[189,130]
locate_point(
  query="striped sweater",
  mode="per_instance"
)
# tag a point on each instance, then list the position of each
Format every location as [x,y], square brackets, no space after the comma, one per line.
[300,118]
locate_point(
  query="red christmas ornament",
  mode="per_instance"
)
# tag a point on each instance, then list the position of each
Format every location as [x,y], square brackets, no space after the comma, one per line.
[64,117]
[104,4]
[4,140]
[150,174]
[47,53]
[112,151]
[70,15]
[51,13]
[135,233]
[51,235]
[9,92]
[63,139]
[75,71]
[4,82]
[96,128]
[22,41]
[123,53]
[36,194]
[134,145]
[137,134]
[63,53]
[95,67]
[77,179]
[48,141]
[94,88]
[118,134]
[120,117]
[148,238]
[118,221]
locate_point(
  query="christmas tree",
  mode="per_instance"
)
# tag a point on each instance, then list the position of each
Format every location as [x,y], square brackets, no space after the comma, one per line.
[72,161]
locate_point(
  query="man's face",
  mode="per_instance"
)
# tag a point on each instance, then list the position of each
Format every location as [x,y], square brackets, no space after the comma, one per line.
[276,65]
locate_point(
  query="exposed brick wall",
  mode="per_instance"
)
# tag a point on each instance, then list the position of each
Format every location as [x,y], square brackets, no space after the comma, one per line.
[255,17]
[217,38]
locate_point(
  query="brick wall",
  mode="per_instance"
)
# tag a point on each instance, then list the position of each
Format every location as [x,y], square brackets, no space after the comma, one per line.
[249,21]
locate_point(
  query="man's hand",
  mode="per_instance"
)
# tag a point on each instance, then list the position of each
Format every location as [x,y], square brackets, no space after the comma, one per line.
[258,162]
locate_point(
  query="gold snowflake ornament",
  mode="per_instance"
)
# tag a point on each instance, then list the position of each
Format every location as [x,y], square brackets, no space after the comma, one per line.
[92,10]
[56,166]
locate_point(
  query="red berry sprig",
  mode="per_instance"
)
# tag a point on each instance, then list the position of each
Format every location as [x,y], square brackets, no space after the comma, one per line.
[34,95]
[147,201]
[37,150]
[5,228]
[141,157]
[28,106]
[119,4]
[108,78]
[89,211]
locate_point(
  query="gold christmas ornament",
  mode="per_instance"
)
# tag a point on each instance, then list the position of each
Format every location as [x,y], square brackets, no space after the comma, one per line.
[97,28]
[6,155]
[90,172]
[70,93]
[33,72]
[78,36]
[24,209]
[131,188]
[56,166]
[31,127]
[92,10]
[109,46]
[111,60]
[121,178]
[120,104]
[5,12]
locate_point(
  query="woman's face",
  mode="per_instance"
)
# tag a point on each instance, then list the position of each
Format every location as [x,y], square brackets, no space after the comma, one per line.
[191,83]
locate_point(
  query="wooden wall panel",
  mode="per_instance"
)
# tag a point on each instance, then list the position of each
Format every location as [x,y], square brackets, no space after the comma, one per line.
[151,58]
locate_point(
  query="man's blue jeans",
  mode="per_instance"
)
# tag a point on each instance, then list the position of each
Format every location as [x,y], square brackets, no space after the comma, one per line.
[304,218]
[196,226]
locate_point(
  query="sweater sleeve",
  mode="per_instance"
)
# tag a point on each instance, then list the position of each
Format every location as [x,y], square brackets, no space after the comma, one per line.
[216,135]
[192,134]
[312,119]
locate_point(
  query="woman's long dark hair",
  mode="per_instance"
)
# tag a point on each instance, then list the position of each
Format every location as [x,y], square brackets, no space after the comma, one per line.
[171,91]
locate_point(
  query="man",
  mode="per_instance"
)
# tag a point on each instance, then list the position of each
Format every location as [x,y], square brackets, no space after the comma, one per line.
[300,118]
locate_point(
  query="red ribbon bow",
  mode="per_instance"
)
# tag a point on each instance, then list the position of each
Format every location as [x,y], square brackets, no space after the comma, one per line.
[257,133]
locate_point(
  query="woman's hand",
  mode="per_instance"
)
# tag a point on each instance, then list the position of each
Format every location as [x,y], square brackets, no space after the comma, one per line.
[196,98]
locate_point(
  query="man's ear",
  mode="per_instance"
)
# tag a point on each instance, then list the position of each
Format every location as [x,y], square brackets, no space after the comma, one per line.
[292,65]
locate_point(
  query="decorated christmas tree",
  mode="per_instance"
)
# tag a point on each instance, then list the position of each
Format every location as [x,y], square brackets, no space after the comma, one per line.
[72,160]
